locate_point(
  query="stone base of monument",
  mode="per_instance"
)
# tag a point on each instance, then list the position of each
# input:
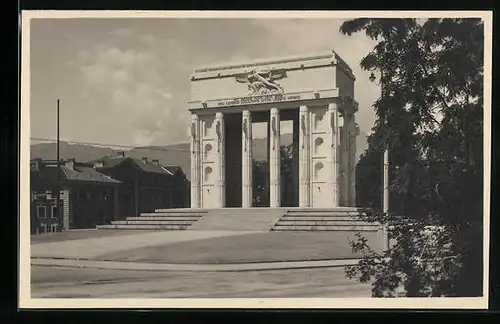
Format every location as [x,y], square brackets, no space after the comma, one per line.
[239,219]
[161,219]
[323,219]
[248,219]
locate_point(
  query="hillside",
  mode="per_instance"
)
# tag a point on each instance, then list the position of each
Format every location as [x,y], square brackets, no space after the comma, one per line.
[175,154]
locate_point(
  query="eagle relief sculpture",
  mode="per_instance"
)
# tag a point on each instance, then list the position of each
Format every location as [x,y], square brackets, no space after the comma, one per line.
[262,83]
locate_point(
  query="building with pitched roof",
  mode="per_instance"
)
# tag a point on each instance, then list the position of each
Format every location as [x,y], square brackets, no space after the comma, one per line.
[87,196]
[146,185]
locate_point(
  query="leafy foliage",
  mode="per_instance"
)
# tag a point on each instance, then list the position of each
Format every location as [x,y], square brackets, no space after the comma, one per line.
[430,117]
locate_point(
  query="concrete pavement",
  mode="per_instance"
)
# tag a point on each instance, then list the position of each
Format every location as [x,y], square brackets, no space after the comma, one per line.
[55,282]
[256,266]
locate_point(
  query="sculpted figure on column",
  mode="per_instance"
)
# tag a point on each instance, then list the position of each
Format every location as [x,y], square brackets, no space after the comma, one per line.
[303,127]
[192,131]
[245,131]
[219,134]
[273,128]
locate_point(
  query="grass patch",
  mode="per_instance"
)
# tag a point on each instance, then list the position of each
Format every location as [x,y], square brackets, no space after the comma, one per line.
[247,248]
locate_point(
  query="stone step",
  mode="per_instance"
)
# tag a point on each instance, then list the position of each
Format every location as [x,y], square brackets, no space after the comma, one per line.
[320,218]
[172,214]
[309,228]
[325,223]
[182,210]
[322,209]
[143,227]
[164,218]
[321,213]
[151,222]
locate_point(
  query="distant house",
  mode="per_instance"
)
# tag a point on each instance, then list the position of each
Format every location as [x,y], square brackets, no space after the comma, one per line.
[87,196]
[181,188]
[145,185]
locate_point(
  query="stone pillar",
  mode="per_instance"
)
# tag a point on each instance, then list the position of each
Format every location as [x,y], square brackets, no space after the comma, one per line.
[247,163]
[274,159]
[194,133]
[268,162]
[220,163]
[295,160]
[333,159]
[304,158]
[354,134]
[343,159]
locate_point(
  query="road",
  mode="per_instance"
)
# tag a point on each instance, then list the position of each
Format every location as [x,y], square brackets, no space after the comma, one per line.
[56,282]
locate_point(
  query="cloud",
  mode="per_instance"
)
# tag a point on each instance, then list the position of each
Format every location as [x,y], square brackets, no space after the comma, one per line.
[296,36]
[126,82]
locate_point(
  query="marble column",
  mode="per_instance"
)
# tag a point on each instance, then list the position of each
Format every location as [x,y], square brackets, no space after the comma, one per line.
[354,134]
[274,159]
[295,160]
[194,133]
[344,160]
[333,156]
[247,163]
[304,158]
[220,162]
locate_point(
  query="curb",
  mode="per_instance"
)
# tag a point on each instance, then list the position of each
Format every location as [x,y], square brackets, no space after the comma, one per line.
[134,266]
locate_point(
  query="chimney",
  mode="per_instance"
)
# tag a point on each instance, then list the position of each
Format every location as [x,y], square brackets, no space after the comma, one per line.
[70,163]
[37,164]
[156,162]
[120,154]
[144,160]
[98,164]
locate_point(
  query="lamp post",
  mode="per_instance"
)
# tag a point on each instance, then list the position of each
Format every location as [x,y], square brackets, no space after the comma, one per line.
[385,173]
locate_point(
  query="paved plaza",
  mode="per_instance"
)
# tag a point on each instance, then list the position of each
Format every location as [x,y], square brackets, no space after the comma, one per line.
[74,268]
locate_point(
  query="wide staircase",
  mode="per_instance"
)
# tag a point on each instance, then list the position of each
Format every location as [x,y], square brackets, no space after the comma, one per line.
[160,219]
[327,219]
[239,219]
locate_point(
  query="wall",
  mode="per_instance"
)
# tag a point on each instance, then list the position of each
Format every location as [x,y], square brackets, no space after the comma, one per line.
[344,83]
[319,143]
[310,79]
[209,167]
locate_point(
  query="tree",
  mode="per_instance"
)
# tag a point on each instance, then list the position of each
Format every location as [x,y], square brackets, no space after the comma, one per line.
[430,116]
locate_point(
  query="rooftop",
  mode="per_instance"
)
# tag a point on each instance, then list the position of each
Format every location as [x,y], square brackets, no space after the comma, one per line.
[273,60]
[144,164]
[69,171]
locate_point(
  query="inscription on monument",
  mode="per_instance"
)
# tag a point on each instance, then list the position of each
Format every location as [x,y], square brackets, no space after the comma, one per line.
[258,100]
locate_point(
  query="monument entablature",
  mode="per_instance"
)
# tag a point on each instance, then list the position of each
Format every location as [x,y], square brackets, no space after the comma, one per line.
[315,92]
[280,101]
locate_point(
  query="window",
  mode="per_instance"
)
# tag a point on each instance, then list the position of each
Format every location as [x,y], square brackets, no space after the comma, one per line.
[54,211]
[41,211]
[105,194]
[94,195]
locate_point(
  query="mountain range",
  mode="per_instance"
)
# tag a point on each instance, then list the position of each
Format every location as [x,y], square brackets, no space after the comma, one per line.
[168,155]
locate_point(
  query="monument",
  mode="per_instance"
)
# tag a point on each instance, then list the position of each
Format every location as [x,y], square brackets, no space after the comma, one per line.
[315,92]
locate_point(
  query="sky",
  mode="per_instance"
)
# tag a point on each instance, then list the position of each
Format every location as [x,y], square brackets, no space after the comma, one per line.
[125,81]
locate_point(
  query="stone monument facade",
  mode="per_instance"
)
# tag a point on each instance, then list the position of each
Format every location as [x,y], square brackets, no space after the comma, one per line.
[316,92]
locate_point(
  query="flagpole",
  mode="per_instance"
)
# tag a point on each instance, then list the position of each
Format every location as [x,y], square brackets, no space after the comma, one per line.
[58,199]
